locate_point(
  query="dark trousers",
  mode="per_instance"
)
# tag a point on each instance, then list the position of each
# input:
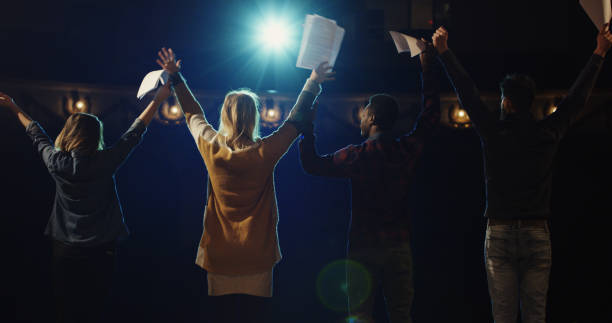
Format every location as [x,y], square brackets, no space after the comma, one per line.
[389,268]
[518,261]
[82,281]
[236,308]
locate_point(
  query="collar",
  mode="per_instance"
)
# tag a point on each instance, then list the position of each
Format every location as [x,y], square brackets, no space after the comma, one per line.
[382,135]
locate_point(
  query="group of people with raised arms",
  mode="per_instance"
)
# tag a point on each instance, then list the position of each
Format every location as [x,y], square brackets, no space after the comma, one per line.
[239,246]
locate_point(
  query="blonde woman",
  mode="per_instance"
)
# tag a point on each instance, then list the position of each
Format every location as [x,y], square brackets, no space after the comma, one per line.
[239,245]
[86,220]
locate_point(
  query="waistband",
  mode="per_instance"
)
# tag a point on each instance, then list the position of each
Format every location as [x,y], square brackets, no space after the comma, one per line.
[62,249]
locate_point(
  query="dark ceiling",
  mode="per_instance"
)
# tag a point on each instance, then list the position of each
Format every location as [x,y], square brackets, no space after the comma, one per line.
[115,42]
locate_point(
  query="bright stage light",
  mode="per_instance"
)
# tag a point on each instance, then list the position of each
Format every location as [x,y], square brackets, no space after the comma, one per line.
[274,34]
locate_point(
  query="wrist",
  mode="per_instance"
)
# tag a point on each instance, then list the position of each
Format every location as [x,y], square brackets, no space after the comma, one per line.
[176,79]
[600,51]
[315,80]
[441,50]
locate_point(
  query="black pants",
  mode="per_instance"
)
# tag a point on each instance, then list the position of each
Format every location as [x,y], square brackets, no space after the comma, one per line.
[82,281]
[236,308]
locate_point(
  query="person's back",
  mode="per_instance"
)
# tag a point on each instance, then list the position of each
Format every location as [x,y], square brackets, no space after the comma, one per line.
[519,156]
[381,178]
[86,209]
[241,211]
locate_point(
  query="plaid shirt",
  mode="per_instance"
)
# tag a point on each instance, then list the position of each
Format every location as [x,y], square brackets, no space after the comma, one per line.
[381,170]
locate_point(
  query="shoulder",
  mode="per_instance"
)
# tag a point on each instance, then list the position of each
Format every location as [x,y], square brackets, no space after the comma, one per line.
[60,161]
[352,150]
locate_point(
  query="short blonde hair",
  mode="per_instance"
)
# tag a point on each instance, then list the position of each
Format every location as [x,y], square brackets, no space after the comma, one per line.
[82,132]
[239,120]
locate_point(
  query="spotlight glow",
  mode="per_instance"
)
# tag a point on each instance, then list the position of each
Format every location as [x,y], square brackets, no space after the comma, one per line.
[80,105]
[274,34]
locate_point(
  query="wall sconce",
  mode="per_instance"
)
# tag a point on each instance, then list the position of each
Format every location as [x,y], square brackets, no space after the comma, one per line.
[75,103]
[458,117]
[552,106]
[271,114]
[170,113]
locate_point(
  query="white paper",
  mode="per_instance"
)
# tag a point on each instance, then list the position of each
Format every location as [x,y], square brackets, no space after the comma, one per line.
[151,81]
[321,41]
[405,43]
[600,11]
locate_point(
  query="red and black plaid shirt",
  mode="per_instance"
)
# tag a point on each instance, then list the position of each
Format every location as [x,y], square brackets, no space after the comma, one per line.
[381,170]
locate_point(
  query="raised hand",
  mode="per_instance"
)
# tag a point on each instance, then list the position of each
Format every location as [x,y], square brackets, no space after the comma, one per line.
[322,73]
[6,101]
[440,40]
[167,60]
[604,40]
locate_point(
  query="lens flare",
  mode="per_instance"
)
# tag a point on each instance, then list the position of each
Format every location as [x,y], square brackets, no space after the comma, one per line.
[333,288]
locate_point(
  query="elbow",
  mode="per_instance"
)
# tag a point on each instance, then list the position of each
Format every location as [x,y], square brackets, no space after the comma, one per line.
[306,164]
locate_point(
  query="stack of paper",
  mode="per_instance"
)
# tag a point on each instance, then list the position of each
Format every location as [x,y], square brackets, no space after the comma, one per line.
[321,42]
[599,11]
[151,81]
[405,43]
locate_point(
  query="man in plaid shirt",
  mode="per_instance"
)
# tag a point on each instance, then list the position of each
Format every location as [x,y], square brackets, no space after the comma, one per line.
[381,170]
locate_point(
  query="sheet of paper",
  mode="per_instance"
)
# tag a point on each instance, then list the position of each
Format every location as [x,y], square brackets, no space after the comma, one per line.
[151,81]
[405,43]
[321,41]
[600,11]
[336,46]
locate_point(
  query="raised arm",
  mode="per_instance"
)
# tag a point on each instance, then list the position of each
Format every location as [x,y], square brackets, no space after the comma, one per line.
[429,117]
[313,163]
[572,105]
[8,102]
[194,115]
[276,144]
[42,143]
[184,97]
[467,93]
[120,151]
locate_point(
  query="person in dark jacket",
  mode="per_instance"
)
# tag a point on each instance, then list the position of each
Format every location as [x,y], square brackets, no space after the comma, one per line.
[519,152]
[381,170]
[86,220]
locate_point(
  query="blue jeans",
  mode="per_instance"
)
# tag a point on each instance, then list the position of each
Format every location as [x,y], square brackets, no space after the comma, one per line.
[389,268]
[518,260]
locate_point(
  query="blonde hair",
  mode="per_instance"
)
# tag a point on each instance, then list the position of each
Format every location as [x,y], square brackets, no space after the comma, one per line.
[239,120]
[82,132]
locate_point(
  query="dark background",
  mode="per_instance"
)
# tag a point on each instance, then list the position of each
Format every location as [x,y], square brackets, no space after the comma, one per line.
[162,186]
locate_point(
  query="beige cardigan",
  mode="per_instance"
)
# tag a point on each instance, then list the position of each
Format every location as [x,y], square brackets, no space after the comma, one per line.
[240,221]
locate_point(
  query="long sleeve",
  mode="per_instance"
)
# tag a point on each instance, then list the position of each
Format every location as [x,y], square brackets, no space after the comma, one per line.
[276,144]
[569,109]
[429,118]
[314,164]
[118,153]
[42,143]
[467,93]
